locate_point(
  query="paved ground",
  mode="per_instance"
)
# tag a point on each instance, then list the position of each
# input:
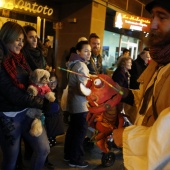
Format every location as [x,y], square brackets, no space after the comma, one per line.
[93,156]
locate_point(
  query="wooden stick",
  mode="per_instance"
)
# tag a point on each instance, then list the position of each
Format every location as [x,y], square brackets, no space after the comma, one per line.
[72,72]
[119,91]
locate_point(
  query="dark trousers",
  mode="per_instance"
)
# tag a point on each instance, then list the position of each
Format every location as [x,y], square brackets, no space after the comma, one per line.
[76,132]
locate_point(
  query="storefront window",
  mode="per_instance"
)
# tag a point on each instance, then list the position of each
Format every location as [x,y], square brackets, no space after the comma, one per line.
[110,49]
[114,42]
[125,38]
[132,40]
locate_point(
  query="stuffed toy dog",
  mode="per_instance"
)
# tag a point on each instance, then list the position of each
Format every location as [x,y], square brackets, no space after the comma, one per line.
[39,86]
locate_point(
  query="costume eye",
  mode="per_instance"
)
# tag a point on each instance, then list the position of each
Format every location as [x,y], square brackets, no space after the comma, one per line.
[98,83]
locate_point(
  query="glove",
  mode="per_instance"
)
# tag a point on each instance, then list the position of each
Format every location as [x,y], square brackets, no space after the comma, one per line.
[118,137]
[125,91]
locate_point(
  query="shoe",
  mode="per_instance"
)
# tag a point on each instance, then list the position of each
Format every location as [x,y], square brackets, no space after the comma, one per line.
[66,158]
[81,164]
[49,165]
[66,120]
[52,141]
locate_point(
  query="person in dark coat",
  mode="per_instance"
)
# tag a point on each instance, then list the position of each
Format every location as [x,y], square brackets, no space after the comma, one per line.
[48,53]
[122,76]
[31,51]
[35,59]
[138,66]
[15,101]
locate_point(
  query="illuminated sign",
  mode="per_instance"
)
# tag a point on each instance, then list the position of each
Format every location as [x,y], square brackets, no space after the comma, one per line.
[132,22]
[26,6]
[22,23]
[7,4]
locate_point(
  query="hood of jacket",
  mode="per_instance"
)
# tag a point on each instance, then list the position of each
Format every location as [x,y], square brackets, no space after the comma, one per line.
[74,58]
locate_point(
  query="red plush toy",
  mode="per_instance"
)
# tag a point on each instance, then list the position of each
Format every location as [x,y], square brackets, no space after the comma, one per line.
[103,115]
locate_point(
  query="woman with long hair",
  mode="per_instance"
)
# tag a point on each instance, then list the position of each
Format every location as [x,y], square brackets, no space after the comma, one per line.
[15,101]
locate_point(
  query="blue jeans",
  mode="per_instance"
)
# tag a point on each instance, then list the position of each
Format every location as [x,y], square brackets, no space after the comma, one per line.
[11,130]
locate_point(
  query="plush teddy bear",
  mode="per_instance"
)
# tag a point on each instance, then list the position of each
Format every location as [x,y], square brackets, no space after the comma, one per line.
[39,86]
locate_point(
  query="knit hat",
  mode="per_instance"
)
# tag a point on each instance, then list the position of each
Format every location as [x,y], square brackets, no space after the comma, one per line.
[82,39]
[161,3]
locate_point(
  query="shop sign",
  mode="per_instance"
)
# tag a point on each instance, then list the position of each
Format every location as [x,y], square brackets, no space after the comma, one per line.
[132,22]
[22,23]
[31,7]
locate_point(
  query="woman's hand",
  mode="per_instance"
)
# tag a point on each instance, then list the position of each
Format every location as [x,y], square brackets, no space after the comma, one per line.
[118,136]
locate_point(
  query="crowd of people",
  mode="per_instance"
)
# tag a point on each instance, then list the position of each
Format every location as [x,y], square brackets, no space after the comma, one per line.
[143,81]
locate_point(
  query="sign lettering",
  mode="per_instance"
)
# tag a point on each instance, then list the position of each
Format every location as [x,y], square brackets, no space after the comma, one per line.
[22,23]
[27,6]
[132,22]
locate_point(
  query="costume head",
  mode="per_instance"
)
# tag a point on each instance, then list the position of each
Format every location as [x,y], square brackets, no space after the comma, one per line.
[103,97]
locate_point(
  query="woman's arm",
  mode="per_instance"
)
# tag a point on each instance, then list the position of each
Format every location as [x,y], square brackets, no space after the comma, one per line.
[15,95]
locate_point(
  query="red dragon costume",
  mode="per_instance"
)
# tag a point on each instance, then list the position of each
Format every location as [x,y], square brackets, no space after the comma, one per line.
[103,115]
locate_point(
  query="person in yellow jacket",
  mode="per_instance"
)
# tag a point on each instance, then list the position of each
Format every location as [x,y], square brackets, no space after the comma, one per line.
[146,144]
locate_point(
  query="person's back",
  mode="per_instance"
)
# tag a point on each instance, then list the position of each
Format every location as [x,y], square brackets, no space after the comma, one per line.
[121,77]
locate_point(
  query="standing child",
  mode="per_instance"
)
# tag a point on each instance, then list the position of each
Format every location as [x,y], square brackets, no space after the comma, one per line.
[77,106]
[53,117]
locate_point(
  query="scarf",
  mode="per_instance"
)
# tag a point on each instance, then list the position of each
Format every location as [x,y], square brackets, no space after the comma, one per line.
[34,57]
[161,54]
[10,64]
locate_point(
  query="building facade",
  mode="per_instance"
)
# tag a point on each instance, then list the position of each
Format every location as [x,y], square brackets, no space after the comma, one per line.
[64,21]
